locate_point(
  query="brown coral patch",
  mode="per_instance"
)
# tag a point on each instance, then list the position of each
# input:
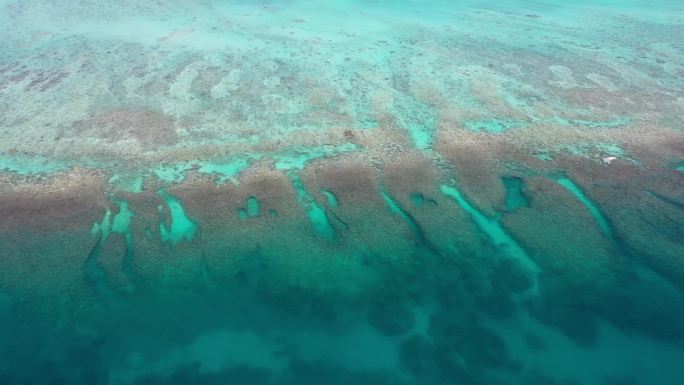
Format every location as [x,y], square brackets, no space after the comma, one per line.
[147,127]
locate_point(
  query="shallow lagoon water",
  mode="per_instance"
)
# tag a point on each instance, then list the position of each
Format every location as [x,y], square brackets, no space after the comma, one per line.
[336,192]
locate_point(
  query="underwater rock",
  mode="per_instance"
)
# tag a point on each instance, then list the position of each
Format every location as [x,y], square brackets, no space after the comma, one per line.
[392,319]
[418,356]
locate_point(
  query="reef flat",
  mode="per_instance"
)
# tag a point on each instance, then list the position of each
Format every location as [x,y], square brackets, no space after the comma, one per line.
[340,192]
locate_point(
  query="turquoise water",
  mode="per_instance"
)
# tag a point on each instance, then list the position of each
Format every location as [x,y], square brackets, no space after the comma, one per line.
[342,192]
